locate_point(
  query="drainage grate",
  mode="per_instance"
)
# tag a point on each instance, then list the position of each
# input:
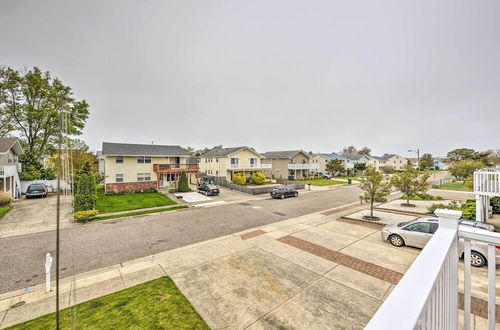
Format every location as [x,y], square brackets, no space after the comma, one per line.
[279,213]
[18,304]
[245,204]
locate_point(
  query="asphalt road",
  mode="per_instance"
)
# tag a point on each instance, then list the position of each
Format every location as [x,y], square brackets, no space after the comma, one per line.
[105,243]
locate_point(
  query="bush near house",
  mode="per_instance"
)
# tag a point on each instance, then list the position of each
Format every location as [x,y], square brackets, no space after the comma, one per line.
[468,208]
[82,216]
[239,178]
[495,203]
[183,184]
[86,194]
[387,169]
[5,200]
[258,178]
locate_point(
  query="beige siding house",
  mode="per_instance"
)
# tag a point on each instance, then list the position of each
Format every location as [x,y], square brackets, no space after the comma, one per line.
[292,164]
[395,161]
[10,150]
[138,167]
[225,162]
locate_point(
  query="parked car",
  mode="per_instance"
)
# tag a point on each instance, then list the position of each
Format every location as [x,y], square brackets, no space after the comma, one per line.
[209,189]
[36,190]
[324,175]
[418,232]
[283,192]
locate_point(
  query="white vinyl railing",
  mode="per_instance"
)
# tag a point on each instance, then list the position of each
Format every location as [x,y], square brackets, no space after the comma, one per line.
[250,166]
[487,182]
[303,166]
[427,295]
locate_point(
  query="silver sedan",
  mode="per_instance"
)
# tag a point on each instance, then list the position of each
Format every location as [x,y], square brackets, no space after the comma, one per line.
[418,232]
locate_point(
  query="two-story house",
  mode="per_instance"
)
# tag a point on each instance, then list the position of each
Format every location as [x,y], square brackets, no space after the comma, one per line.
[139,167]
[322,159]
[223,163]
[10,150]
[397,162]
[291,164]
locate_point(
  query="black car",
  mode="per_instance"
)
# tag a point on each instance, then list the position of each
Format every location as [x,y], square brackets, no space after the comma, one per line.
[283,192]
[36,190]
[209,189]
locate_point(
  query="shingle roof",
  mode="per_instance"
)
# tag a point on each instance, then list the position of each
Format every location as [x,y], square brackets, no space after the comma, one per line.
[354,157]
[384,157]
[283,154]
[223,152]
[7,143]
[126,149]
[333,156]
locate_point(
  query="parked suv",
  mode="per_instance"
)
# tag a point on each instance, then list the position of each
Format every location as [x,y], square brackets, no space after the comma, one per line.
[36,189]
[418,232]
[283,192]
[208,189]
[324,175]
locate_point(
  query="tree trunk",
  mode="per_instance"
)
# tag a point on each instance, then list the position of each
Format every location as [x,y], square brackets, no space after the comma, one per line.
[408,200]
[371,210]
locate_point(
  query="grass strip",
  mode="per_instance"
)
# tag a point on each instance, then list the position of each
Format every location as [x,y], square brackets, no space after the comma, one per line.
[130,214]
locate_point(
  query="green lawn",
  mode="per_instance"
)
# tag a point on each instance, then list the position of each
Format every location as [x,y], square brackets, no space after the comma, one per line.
[345,177]
[130,214]
[157,304]
[4,211]
[321,182]
[116,203]
[454,186]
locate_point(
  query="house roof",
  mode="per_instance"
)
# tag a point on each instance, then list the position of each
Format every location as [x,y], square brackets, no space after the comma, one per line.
[126,149]
[384,156]
[224,152]
[332,156]
[10,143]
[283,154]
[354,156]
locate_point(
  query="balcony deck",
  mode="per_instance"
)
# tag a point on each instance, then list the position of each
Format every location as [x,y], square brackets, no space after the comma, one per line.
[175,168]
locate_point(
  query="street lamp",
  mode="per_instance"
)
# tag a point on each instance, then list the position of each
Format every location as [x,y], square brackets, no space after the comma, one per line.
[418,157]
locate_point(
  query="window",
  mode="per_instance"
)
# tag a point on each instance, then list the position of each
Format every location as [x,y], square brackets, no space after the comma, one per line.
[420,227]
[119,178]
[253,161]
[143,176]
[144,159]
[217,173]
[216,160]
[119,159]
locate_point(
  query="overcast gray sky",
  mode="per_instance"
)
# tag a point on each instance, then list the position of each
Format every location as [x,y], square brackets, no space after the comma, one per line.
[313,75]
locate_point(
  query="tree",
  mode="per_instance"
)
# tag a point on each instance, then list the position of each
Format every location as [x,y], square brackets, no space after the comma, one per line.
[460,154]
[258,178]
[375,188]
[86,193]
[387,169]
[360,166]
[335,166]
[350,150]
[464,169]
[183,185]
[365,151]
[411,182]
[190,151]
[32,169]
[33,101]
[426,162]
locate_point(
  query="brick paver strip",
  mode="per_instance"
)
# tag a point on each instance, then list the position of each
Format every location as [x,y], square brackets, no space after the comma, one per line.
[252,234]
[371,225]
[362,266]
[401,211]
[340,209]
[479,306]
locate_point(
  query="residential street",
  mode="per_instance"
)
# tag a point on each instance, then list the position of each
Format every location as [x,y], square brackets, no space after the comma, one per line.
[97,245]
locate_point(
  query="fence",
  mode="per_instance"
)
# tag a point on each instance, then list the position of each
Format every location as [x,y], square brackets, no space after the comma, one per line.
[51,185]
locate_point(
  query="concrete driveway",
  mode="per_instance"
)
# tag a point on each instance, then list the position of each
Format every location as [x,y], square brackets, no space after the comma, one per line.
[35,215]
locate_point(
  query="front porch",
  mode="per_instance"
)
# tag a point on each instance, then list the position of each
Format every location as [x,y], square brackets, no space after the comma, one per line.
[167,175]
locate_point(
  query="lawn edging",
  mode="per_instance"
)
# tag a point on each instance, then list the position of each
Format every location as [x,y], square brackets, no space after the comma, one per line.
[138,213]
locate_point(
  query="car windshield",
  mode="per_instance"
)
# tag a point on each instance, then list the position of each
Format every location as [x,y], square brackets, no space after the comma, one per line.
[401,224]
[211,186]
[36,186]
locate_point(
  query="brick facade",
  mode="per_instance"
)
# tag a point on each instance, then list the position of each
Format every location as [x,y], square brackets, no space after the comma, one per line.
[130,186]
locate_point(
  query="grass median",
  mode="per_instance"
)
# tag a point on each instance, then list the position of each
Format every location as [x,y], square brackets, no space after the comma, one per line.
[131,214]
[156,304]
[321,182]
[458,185]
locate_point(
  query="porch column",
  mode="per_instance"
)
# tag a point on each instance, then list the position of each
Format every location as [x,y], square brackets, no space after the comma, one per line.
[12,190]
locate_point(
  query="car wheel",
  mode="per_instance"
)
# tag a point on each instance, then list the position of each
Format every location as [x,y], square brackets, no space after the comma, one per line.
[477,259]
[295,194]
[282,196]
[396,240]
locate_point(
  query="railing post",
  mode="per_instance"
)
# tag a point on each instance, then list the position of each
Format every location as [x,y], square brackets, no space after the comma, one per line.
[449,219]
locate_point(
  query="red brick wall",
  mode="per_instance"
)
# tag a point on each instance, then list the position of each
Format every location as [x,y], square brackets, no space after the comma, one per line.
[130,186]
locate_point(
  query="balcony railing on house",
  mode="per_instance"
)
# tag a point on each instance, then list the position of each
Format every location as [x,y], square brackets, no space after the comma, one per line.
[175,168]
[303,166]
[8,170]
[427,297]
[250,166]
[487,181]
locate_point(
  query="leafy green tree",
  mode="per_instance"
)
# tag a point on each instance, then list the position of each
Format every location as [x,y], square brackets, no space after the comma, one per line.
[258,178]
[460,154]
[426,162]
[335,166]
[86,193]
[183,185]
[350,150]
[411,182]
[33,101]
[359,167]
[190,151]
[365,151]
[464,169]
[375,188]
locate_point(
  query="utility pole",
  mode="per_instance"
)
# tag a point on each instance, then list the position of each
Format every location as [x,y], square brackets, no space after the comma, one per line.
[418,157]
[59,165]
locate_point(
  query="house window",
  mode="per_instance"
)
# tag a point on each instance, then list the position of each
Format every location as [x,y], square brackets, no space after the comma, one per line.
[143,176]
[119,159]
[119,178]
[217,173]
[216,160]
[144,159]
[253,161]
[235,162]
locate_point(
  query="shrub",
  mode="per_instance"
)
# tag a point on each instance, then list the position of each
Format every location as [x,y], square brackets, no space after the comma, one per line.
[82,216]
[183,184]
[239,178]
[5,200]
[468,209]
[258,178]
[425,197]
[387,169]
[86,194]
[495,204]
[450,206]
[151,190]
